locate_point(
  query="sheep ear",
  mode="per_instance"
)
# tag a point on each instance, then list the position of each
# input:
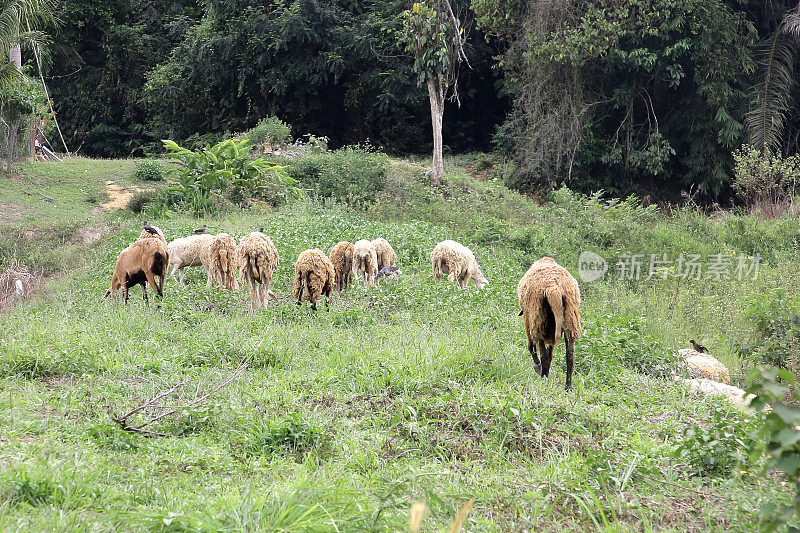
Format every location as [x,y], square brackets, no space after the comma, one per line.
[520,312]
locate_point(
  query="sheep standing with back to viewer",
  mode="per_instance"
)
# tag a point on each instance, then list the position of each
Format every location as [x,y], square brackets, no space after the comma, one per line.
[222,262]
[189,251]
[550,299]
[342,259]
[457,262]
[139,264]
[365,262]
[385,253]
[314,276]
[258,259]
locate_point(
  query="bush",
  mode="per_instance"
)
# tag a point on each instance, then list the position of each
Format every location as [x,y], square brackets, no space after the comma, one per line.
[272,131]
[353,174]
[765,180]
[715,449]
[141,200]
[776,324]
[210,178]
[149,170]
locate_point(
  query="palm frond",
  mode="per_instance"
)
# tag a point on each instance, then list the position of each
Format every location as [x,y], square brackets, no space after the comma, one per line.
[791,22]
[770,97]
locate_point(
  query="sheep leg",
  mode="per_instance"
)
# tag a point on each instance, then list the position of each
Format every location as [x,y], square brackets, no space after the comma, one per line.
[570,348]
[547,355]
[536,364]
[144,292]
[152,281]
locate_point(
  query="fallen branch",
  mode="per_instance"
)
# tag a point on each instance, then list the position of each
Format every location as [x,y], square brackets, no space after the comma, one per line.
[124,421]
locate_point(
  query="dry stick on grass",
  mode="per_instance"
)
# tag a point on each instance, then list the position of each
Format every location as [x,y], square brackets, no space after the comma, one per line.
[123,420]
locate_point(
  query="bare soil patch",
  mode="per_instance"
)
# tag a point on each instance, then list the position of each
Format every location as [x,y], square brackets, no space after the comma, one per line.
[118,196]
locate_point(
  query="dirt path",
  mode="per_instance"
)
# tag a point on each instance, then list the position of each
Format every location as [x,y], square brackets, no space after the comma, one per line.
[118,196]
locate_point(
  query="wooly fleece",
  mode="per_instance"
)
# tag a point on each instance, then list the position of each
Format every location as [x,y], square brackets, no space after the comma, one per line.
[365,262]
[703,365]
[314,276]
[222,262]
[457,262]
[138,264]
[385,253]
[549,300]
[342,259]
[258,259]
[188,252]
[159,235]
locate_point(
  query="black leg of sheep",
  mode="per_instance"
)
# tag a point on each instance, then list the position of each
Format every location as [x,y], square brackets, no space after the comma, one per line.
[547,358]
[570,346]
[536,364]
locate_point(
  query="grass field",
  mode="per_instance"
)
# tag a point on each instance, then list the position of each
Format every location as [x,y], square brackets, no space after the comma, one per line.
[412,390]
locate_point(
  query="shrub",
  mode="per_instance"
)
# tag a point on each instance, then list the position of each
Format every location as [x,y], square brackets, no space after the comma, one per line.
[352,174]
[208,178]
[765,180]
[149,170]
[715,449]
[140,200]
[776,324]
[770,385]
[270,130]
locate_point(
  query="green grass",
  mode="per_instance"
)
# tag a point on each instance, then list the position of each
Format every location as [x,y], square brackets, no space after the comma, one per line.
[412,390]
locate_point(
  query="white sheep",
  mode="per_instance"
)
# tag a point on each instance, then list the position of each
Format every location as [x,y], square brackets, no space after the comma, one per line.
[188,252]
[365,262]
[457,262]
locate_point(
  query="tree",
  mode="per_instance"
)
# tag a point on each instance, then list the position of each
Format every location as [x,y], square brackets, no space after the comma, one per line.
[771,95]
[20,22]
[435,37]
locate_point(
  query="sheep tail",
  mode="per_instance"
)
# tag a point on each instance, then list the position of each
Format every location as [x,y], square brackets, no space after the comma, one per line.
[555,297]
[223,258]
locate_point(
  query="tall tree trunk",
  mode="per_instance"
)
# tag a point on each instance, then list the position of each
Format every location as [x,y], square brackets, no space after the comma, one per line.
[15,55]
[436,96]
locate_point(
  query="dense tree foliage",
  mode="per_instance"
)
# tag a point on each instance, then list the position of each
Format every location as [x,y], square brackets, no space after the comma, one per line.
[629,95]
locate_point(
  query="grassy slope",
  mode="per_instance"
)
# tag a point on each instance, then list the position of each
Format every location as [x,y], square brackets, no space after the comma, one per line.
[410,390]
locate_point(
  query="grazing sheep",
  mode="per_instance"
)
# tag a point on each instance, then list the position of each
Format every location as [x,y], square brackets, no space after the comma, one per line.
[550,299]
[385,253]
[703,365]
[189,251]
[457,262]
[152,232]
[365,262]
[342,259]
[314,276]
[258,259]
[708,387]
[222,262]
[139,264]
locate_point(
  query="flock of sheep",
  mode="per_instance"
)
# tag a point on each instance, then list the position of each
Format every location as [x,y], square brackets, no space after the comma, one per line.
[549,297]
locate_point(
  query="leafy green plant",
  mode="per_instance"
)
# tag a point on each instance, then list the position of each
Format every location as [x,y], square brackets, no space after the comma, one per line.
[782,426]
[715,449]
[149,170]
[289,436]
[224,170]
[141,200]
[270,131]
[767,178]
[776,324]
[352,174]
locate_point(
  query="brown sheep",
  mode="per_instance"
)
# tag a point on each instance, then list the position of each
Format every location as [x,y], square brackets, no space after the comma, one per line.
[314,276]
[365,262]
[550,299]
[342,259]
[222,262]
[457,262]
[138,264]
[703,365]
[385,253]
[258,259]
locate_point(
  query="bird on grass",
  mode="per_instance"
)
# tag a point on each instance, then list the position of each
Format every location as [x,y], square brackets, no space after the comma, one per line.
[698,347]
[200,231]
